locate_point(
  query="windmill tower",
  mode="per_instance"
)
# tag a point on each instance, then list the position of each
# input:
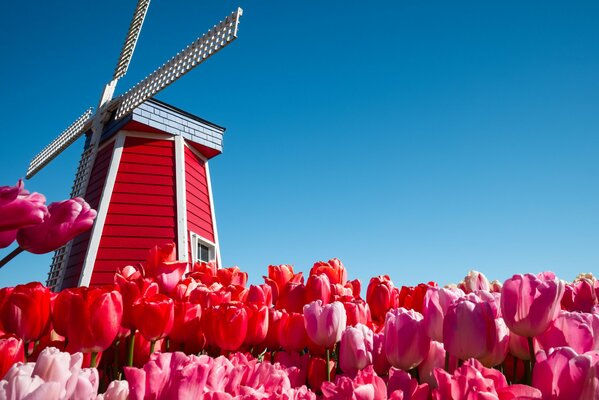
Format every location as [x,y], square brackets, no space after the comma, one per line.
[144,168]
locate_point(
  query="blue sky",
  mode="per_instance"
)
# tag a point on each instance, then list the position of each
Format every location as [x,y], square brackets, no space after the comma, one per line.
[415,139]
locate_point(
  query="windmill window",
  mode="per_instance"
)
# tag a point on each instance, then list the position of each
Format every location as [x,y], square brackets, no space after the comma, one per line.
[202,249]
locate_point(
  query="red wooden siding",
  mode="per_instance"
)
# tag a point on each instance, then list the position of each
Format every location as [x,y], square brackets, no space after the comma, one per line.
[142,210]
[92,196]
[199,213]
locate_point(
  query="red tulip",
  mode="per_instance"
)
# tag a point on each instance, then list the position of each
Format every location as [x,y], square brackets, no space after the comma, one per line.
[275,319]
[26,311]
[257,324]
[579,295]
[204,272]
[292,299]
[154,316]
[357,312]
[186,322]
[341,292]
[231,276]
[11,351]
[317,372]
[325,324]
[278,277]
[355,350]
[184,288]
[381,297]
[230,324]
[406,342]
[292,332]
[260,294]
[67,219]
[333,269]
[4,293]
[412,297]
[318,287]
[529,303]
[19,209]
[133,286]
[164,268]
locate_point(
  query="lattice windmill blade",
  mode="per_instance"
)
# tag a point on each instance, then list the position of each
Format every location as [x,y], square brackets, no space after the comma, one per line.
[193,55]
[131,40]
[68,136]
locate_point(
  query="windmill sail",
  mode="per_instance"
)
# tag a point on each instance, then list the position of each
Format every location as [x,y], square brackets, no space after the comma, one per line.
[197,52]
[131,40]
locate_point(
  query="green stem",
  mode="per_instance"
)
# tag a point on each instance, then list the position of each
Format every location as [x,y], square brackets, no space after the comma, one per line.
[167,343]
[328,368]
[10,256]
[25,350]
[447,361]
[531,349]
[131,348]
[94,359]
[152,345]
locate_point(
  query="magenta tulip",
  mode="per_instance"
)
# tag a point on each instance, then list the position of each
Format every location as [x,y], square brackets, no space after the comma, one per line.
[325,324]
[529,303]
[7,238]
[19,209]
[402,386]
[355,351]
[436,302]
[379,358]
[67,219]
[580,295]
[580,331]
[406,342]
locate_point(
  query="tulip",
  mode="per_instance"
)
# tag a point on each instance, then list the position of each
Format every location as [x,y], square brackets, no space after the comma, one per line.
[406,342]
[468,328]
[318,287]
[187,324]
[292,332]
[319,373]
[154,316]
[530,303]
[366,385]
[117,390]
[435,304]
[475,281]
[260,294]
[379,358]
[295,365]
[357,312]
[163,266]
[7,238]
[292,299]
[412,297]
[67,219]
[278,277]
[381,297]
[571,329]
[204,272]
[325,324]
[257,324]
[498,344]
[133,286]
[561,373]
[579,295]
[11,351]
[98,312]
[19,209]
[333,269]
[26,311]
[402,385]
[230,325]
[160,254]
[275,319]
[231,276]
[436,358]
[355,351]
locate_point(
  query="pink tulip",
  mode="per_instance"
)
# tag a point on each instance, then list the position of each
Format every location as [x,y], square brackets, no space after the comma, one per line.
[436,302]
[401,385]
[325,324]
[529,303]
[498,345]
[355,351]
[475,281]
[469,328]
[406,342]
[164,268]
[580,331]
[7,238]
[67,219]
[379,358]
[365,386]
[117,390]
[562,374]
[580,295]
[318,287]
[19,209]
[434,359]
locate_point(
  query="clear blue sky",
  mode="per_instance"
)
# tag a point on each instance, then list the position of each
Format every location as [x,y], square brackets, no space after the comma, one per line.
[410,139]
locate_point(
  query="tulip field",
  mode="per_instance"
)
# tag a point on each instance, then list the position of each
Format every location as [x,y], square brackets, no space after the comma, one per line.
[169,330]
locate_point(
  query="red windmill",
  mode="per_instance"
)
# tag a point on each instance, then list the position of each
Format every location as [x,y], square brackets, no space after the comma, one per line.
[144,168]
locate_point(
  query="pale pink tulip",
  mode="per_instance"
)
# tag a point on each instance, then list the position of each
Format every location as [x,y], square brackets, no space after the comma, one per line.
[434,359]
[529,303]
[67,219]
[325,324]
[117,390]
[436,302]
[355,351]
[475,281]
[19,209]
[406,342]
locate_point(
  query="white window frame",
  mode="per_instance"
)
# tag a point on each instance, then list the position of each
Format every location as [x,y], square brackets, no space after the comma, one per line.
[197,239]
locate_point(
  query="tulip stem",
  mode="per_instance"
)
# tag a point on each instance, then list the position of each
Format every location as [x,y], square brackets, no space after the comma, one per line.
[447,361]
[94,359]
[328,365]
[152,345]
[131,348]
[532,352]
[10,256]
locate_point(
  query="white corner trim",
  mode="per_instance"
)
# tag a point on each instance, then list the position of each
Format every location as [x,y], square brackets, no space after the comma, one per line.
[216,243]
[181,198]
[94,240]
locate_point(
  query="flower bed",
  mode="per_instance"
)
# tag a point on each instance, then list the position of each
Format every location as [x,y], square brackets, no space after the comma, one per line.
[161,333]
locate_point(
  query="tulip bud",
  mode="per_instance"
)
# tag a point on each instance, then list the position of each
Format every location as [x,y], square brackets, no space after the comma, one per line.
[406,342]
[325,324]
[26,311]
[154,316]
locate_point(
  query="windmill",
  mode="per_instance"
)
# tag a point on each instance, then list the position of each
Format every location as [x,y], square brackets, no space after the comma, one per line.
[143,167]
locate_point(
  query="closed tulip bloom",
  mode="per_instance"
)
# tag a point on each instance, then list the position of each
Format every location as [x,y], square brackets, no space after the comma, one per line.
[580,331]
[412,297]
[230,322]
[260,294]
[379,358]
[381,297]
[355,351]
[116,390]
[154,316]
[292,332]
[325,324]
[498,345]
[317,372]
[7,238]
[67,219]
[357,311]
[469,328]
[186,322]
[11,351]
[318,287]
[26,311]
[529,303]
[475,281]
[133,286]
[257,324]
[406,342]
[433,360]
[19,209]
[580,295]
[436,302]
[278,276]
[231,276]
[275,319]
[98,312]
[292,299]
[333,269]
